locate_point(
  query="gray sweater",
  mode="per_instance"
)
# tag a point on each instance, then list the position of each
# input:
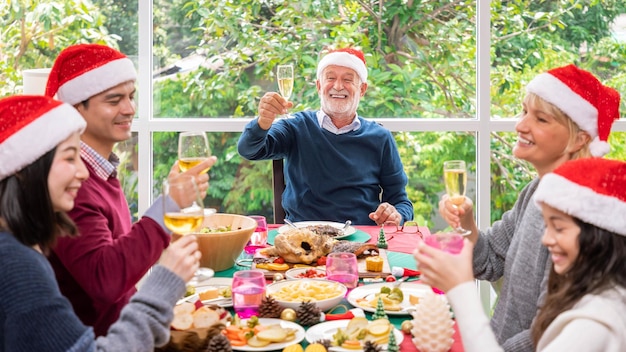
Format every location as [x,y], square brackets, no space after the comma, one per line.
[34,316]
[512,249]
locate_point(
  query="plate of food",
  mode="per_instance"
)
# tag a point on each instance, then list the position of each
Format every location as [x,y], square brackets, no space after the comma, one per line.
[273,334]
[215,291]
[356,329]
[398,301]
[328,228]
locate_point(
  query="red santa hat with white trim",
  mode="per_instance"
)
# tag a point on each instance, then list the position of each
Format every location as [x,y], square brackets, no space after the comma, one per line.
[590,189]
[347,57]
[31,126]
[580,95]
[84,70]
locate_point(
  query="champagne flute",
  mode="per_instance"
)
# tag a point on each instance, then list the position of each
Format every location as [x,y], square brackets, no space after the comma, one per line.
[455,179]
[284,75]
[193,148]
[184,191]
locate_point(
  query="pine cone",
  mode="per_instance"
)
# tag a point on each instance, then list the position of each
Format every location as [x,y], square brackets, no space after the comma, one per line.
[433,326]
[308,314]
[269,308]
[219,343]
[325,342]
[371,346]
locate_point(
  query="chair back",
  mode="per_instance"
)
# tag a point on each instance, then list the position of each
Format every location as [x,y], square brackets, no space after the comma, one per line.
[278,182]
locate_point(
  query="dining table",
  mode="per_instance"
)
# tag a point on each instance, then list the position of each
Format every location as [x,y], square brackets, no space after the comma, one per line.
[399,253]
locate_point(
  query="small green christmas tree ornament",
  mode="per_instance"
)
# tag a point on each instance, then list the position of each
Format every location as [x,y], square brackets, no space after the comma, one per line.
[382,241]
[380,310]
[392,345]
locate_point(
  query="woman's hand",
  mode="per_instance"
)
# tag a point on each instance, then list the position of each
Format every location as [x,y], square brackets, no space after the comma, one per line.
[456,215]
[182,257]
[444,270]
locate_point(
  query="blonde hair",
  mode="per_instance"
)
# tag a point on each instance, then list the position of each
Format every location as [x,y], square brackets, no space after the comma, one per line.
[565,120]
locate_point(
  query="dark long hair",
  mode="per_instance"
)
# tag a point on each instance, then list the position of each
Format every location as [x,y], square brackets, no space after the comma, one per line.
[26,209]
[600,265]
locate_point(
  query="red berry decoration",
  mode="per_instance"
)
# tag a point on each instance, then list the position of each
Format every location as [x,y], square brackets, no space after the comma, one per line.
[390,278]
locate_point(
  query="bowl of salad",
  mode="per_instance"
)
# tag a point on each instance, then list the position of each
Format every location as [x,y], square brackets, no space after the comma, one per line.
[221,239]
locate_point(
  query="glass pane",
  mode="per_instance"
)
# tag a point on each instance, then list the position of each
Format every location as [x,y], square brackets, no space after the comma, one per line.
[127,172]
[235,186]
[525,42]
[423,154]
[217,59]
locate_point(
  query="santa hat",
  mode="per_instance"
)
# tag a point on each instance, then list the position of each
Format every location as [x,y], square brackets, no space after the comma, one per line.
[84,70]
[590,189]
[31,126]
[348,57]
[593,106]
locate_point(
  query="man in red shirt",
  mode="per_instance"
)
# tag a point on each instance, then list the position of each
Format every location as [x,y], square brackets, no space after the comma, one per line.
[98,270]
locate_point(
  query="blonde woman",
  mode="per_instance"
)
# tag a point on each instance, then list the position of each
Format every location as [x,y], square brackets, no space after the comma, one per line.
[567,114]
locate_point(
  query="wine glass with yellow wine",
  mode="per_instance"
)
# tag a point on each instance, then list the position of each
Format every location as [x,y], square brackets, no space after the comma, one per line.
[284,75]
[193,148]
[184,191]
[455,179]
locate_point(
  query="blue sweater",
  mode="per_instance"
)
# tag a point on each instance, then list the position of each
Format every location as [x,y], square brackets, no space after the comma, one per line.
[331,177]
[34,316]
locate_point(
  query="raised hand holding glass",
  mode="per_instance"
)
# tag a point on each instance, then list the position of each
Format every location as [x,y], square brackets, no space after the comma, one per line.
[184,191]
[455,180]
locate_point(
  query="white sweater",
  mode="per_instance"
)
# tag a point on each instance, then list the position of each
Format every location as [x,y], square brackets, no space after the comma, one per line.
[595,323]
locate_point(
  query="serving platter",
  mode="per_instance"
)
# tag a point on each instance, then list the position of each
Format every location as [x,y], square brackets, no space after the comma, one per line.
[326,330]
[300,334]
[348,231]
[368,293]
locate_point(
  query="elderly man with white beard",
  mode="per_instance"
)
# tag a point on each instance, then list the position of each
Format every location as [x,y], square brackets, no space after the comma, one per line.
[338,165]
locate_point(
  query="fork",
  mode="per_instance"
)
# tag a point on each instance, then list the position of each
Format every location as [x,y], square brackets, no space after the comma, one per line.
[399,282]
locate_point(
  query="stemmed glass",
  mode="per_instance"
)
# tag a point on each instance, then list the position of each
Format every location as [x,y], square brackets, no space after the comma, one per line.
[184,191]
[284,75]
[455,179]
[193,148]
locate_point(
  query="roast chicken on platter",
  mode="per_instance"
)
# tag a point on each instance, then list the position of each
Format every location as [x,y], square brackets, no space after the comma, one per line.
[303,246]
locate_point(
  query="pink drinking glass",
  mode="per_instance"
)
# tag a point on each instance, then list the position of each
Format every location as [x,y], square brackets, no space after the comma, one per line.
[450,242]
[342,267]
[248,289]
[259,236]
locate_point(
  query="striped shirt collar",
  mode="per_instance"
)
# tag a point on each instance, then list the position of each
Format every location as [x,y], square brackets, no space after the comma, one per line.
[326,123]
[102,167]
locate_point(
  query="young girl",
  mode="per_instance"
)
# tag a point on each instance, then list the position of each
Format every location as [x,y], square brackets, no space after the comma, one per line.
[583,204]
[40,174]
[567,114]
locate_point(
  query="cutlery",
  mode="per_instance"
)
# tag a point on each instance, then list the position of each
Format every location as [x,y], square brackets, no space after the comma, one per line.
[219,301]
[291,224]
[399,282]
[345,227]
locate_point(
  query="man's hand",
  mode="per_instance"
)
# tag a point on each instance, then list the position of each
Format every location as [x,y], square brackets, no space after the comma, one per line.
[386,213]
[272,105]
[202,179]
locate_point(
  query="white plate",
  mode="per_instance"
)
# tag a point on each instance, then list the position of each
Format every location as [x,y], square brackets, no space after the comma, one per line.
[294,273]
[349,231]
[219,282]
[369,291]
[326,330]
[276,346]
